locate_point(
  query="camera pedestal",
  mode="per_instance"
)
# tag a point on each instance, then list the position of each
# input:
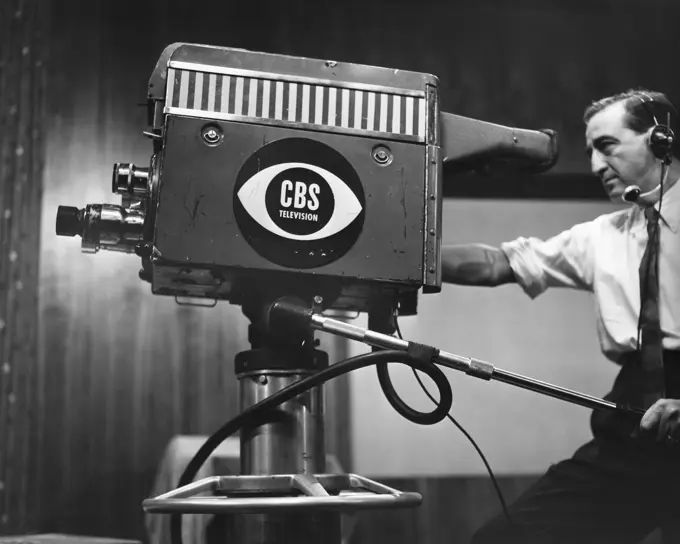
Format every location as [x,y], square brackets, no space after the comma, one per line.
[284,494]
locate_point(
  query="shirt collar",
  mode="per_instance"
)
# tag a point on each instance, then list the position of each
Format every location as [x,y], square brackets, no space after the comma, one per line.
[670,212]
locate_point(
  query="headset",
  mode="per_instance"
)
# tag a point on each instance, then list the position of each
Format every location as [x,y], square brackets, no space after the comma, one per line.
[660,139]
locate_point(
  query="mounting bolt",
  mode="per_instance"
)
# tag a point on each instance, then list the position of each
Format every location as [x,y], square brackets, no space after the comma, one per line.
[382,155]
[212,135]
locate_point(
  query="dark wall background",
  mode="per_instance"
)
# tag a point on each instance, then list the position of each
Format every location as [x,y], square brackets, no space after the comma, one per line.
[97,374]
[23,47]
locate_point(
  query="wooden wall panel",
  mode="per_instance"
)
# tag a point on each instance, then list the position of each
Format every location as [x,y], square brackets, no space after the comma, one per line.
[22,106]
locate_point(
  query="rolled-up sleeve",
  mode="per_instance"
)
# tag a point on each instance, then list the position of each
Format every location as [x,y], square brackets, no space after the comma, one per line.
[565,260]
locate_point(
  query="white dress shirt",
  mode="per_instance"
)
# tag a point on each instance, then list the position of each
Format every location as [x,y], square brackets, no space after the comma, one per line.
[603,256]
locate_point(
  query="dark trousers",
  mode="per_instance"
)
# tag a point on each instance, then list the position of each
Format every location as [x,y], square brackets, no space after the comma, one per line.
[617,488]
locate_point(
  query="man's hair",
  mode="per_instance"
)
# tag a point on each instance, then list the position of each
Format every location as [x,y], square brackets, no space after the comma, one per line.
[641,111]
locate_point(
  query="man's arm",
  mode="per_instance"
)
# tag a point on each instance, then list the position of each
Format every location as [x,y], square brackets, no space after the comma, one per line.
[475,264]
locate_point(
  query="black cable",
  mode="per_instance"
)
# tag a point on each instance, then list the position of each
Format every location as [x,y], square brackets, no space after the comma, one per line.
[393,397]
[256,413]
[469,437]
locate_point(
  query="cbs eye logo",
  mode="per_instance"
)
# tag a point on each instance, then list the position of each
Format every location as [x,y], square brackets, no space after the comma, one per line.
[299,203]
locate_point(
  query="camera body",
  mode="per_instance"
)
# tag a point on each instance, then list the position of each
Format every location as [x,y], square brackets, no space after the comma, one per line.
[314,176]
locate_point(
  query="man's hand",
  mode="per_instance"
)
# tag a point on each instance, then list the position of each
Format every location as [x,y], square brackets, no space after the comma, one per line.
[663,418]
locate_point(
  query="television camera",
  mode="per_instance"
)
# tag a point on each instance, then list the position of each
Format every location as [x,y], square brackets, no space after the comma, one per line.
[293,186]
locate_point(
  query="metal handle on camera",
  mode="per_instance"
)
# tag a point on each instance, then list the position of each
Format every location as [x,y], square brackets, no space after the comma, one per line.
[471,366]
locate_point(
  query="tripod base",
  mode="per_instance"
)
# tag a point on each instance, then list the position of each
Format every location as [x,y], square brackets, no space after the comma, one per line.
[281,492]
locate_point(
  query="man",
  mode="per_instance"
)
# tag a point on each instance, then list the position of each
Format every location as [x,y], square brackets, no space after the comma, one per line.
[624,483]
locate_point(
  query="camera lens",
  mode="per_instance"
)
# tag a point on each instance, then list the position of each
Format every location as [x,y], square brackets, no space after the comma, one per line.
[68,221]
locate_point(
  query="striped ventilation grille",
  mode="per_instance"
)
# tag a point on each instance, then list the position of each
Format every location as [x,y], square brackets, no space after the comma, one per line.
[284,102]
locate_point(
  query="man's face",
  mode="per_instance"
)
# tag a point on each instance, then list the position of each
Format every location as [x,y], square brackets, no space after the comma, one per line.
[618,155]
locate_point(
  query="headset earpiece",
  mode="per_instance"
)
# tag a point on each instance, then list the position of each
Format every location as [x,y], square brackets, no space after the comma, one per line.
[660,138]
